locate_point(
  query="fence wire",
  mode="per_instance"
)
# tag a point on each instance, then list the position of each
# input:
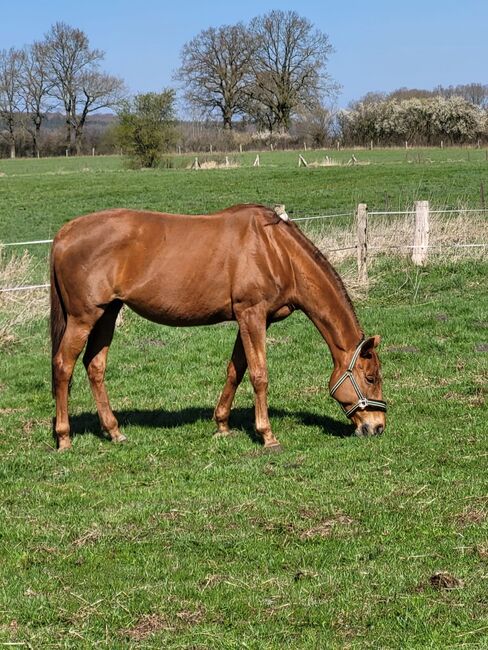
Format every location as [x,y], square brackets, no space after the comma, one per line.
[374,213]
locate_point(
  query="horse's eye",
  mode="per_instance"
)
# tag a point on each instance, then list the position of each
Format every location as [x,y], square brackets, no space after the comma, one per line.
[370,379]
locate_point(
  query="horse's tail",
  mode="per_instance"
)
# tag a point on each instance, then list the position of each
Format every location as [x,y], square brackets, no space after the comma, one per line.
[58,317]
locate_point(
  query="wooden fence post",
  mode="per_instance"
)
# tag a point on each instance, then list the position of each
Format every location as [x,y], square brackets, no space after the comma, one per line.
[362,236]
[421,237]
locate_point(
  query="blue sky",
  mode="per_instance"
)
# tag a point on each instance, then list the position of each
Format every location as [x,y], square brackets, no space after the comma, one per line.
[379,45]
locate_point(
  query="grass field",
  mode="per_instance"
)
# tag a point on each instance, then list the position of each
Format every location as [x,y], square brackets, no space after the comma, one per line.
[179,540]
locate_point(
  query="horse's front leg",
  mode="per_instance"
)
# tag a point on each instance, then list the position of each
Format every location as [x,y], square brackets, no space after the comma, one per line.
[252,325]
[235,372]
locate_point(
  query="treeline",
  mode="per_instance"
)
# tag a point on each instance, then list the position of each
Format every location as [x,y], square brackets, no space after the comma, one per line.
[250,86]
[416,121]
[59,73]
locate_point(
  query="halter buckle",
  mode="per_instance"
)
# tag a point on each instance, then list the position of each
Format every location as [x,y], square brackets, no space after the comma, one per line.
[362,404]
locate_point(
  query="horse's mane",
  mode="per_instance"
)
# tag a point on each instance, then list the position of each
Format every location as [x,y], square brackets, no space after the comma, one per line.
[323,262]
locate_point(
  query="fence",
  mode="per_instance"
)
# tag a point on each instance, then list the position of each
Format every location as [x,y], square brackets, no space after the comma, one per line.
[360,239]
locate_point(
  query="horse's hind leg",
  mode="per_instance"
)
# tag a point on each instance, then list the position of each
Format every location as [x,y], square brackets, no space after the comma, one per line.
[71,345]
[95,361]
[235,372]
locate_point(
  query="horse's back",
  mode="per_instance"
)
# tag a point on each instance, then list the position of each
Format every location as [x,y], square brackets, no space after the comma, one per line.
[176,269]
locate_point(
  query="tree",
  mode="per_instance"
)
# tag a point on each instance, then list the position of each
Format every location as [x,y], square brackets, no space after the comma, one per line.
[316,125]
[288,67]
[96,90]
[11,62]
[77,81]
[36,85]
[146,126]
[215,70]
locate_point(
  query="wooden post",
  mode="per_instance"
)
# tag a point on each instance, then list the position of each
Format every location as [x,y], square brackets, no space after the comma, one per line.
[179,149]
[196,164]
[362,235]
[256,162]
[240,148]
[211,149]
[421,237]
[93,151]
[302,161]
[227,163]
[482,195]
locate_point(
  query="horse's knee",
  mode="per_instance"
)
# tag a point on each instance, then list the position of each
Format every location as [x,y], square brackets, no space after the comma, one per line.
[259,379]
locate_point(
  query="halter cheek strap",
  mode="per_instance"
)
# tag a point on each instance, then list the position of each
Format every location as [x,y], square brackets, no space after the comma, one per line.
[363,402]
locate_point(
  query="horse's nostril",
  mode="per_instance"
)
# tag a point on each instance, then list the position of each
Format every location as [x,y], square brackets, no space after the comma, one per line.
[365,429]
[379,429]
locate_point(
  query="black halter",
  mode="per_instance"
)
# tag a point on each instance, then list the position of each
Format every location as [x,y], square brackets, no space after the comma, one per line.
[363,402]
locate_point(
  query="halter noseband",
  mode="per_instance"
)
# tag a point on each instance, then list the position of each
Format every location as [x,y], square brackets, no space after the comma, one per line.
[363,402]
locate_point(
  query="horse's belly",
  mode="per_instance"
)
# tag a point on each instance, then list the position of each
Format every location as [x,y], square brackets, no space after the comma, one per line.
[196,312]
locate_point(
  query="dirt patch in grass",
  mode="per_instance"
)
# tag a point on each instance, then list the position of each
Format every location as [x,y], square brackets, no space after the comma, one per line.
[470,516]
[146,626]
[481,347]
[89,537]
[482,550]
[326,528]
[444,580]
[150,624]
[478,399]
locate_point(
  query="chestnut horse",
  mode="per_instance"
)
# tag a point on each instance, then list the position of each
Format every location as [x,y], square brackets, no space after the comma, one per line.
[247,263]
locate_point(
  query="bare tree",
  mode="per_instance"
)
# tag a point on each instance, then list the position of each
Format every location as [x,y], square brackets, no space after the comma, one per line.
[96,90]
[11,62]
[289,67]
[215,70]
[69,58]
[36,86]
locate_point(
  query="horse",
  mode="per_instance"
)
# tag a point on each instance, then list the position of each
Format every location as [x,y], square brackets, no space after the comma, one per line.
[247,263]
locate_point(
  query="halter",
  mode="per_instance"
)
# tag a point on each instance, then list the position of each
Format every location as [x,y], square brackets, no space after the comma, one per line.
[363,402]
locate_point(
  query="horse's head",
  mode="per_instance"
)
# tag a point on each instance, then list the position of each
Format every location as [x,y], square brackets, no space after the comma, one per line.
[358,389]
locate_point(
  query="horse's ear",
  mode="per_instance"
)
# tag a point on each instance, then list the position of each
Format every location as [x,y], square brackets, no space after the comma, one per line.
[369,345]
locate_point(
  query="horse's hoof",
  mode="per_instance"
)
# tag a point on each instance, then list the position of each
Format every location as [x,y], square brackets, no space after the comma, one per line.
[273,448]
[119,438]
[64,446]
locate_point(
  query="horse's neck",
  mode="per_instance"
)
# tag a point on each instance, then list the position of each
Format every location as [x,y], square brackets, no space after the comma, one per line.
[322,297]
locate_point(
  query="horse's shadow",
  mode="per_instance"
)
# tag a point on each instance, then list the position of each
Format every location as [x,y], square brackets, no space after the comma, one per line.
[241,419]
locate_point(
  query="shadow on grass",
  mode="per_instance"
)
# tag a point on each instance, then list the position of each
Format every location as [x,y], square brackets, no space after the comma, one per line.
[241,419]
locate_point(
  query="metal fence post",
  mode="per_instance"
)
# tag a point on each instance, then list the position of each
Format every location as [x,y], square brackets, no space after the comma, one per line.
[421,236]
[362,236]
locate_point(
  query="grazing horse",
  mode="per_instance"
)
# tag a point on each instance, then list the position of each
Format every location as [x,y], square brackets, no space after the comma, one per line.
[247,263]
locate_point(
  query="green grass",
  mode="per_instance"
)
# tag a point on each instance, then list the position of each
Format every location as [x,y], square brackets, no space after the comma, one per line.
[179,540]
[37,197]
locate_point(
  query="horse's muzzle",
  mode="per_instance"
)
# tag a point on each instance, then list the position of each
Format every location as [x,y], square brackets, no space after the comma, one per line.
[369,430]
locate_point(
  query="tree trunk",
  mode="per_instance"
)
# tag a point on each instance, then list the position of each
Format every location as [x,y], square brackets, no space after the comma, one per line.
[78,134]
[12,149]
[68,133]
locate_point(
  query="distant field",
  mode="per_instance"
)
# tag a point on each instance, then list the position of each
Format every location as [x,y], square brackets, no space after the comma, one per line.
[179,540]
[38,196]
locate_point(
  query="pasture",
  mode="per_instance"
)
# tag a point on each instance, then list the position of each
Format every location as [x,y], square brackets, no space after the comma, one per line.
[180,540]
